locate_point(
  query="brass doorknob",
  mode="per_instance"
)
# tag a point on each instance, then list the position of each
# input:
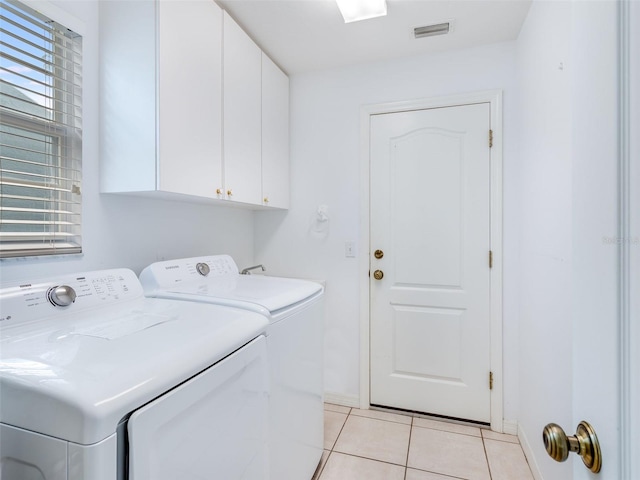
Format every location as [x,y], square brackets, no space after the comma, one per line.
[584,443]
[378,274]
[229,192]
[378,254]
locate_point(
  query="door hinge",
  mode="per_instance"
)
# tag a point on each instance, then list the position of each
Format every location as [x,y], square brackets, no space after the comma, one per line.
[490,259]
[490,138]
[490,380]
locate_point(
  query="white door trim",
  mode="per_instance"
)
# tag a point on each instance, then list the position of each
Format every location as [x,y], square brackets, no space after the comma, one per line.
[494,97]
[628,231]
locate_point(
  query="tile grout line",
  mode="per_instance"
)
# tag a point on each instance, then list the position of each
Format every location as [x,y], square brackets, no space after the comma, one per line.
[340,432]
[499,440]
[406,463]
[450,431]
[486,457]
[384,419]
[324,465]
[333,444]
[370,459]
[432,472]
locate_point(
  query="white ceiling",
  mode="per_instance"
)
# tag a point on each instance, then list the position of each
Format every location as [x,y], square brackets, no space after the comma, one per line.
[305,35]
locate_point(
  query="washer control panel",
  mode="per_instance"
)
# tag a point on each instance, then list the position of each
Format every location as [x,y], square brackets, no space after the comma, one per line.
[68,293]
[203,268]
[173,272]
[61,295]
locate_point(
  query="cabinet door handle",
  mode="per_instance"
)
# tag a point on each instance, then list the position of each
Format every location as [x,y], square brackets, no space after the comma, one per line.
[229,192]
[266,199]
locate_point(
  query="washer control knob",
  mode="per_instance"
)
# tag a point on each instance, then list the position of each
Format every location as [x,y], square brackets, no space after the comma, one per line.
[203,269]
[61,295]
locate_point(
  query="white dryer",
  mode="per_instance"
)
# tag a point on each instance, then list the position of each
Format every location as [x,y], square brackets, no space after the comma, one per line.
[98,382]
[295,339]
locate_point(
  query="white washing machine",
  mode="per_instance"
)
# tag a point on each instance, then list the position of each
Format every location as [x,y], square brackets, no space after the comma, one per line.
[98,382]
[295,341]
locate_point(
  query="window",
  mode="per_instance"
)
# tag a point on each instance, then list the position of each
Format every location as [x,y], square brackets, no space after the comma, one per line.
[40,134]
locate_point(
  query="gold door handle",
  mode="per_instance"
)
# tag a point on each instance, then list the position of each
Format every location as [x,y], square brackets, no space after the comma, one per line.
[378,254]
[584,443]
[218,191]
[378,274]
[229,192]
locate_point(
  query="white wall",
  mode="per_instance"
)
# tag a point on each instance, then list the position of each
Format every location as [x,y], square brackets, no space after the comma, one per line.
[545,224]
[325,170]
[125,231]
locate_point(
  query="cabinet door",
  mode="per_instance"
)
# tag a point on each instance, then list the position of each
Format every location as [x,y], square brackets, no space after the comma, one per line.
[242,117]
[127,96]
[275,135]
[190,97]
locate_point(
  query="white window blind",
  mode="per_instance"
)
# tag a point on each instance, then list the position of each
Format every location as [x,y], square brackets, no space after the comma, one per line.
[40,134]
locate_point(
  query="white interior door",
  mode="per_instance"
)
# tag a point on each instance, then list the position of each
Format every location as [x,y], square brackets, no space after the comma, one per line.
[604,250]
[430,216]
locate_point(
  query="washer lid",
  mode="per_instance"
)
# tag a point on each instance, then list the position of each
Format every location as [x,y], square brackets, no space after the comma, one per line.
[261,293]
[75,375]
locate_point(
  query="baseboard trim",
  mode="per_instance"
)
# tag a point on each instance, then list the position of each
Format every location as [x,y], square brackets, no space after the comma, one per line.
[510,427]
[342,399]
[528,453]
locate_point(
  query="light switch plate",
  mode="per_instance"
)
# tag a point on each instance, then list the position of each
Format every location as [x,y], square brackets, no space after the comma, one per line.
[350,249]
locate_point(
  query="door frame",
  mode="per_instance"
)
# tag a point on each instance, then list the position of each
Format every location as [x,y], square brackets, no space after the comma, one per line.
[494,98]
[628,17]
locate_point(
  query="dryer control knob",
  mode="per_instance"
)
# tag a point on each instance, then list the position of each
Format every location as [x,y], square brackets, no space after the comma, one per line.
[61,295]
[203,269]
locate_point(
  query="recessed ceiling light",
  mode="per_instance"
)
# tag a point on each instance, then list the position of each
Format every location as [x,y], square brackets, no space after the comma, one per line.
[355,10]
[431,30]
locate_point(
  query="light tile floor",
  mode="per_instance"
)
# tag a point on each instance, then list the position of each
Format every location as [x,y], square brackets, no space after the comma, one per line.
[374,445]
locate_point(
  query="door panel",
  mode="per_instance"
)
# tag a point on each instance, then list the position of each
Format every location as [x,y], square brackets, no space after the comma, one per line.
[426,342]
[430,317]
[420,259]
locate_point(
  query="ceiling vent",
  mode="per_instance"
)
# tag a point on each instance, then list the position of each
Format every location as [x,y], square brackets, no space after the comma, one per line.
[432,30]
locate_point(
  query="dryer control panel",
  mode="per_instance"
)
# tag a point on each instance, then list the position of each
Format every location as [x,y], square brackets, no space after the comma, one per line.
[67,293]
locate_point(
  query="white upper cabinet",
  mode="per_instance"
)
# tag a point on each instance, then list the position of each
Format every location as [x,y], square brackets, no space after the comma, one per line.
[275,135]
[190,106]
[190,97]
[242,118]
[161,97]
